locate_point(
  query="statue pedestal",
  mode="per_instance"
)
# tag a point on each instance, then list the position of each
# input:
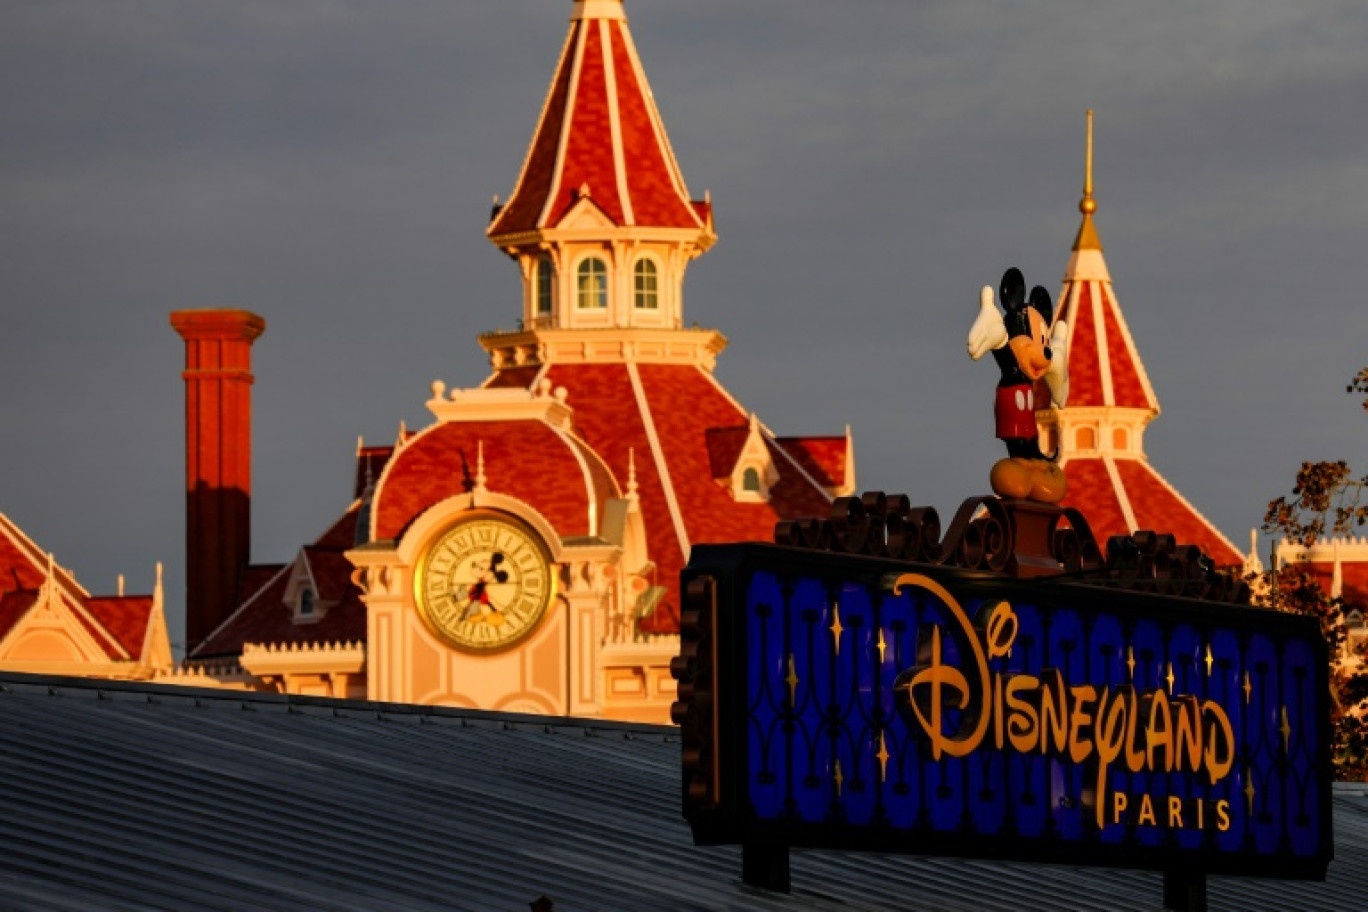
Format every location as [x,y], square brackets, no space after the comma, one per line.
[1033,527]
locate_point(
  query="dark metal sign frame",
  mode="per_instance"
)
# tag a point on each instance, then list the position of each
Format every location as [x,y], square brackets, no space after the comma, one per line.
[1253,801]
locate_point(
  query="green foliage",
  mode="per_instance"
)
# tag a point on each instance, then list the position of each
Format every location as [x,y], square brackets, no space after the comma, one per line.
[1326,499]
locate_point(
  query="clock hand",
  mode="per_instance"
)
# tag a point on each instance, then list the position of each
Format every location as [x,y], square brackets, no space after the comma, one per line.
[500,576]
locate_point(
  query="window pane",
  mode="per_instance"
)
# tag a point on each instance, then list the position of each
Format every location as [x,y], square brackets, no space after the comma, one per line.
[546,273]
[645,281]
[750,480]
[592,284]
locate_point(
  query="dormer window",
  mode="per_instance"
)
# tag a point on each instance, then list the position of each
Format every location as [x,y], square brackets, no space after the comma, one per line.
[546,283]
[301,597]
[645,279]
[591,285]
[742,461]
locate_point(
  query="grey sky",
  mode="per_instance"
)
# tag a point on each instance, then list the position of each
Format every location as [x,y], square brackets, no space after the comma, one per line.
[329,164]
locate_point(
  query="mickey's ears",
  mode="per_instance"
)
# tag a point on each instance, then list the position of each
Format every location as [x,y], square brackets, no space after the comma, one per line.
[1040,301]
[1012,291]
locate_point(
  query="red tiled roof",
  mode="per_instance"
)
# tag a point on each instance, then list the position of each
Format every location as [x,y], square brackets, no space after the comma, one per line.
[23,569]
[684,404]
[526,460]
[1085,374]
[16,569]
[600,129]
[1353,580]
[258,575]
[103,638]
[1090,491]
[724,448]
[1152,501]
[331,571]
[607,419]
[1158,508]
[588,140]
[523,210]
[340,535]
[650,176]
[370,462]
[824,458]
[1124,383]
[14,604]
[267,619]
[125,617]
[1354,577]
[1128,390]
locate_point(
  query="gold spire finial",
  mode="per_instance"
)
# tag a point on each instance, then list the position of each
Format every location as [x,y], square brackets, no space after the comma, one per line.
[1087,234]
[1088,205]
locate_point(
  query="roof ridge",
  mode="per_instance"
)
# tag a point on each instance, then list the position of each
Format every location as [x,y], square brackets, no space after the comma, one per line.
[12,682]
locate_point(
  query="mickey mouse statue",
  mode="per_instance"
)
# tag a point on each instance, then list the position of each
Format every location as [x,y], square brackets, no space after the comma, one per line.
[1027,349]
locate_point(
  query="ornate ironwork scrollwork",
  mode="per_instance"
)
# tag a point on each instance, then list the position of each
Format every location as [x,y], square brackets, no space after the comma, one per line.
[1015,538]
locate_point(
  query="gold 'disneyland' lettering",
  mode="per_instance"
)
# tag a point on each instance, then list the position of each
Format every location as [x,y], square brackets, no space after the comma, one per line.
[1148,732]
[1054,712]
[1109,733]
[1219,757]
[1080,720]
[1160,731]
[930,686]
[1187,733]
[999,716]
[1023,723]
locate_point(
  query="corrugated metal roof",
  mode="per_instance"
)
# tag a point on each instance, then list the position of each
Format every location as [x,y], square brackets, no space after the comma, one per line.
[118,796]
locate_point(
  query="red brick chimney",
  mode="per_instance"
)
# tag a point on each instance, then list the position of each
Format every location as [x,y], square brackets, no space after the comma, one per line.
[218,461]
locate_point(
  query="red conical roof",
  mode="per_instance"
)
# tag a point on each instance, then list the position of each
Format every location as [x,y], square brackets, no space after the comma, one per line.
[1110,402]
[1104,367]
[599,135]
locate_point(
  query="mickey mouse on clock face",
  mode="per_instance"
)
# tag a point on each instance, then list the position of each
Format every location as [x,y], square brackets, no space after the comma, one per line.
[1026,349]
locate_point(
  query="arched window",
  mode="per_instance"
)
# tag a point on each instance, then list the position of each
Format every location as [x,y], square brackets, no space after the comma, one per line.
[1119,439]
[592,285]
[644,279]
[306,602]
[546,282]
[750,480]
[1086,439]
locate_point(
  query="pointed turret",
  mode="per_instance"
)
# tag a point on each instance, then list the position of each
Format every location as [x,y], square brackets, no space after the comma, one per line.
[600,219]
[1100,435]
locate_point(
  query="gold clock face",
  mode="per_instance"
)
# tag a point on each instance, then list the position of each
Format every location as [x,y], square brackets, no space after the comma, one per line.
[484,583]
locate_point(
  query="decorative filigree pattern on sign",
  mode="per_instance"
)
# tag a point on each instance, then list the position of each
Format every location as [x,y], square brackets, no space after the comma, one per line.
[874,736]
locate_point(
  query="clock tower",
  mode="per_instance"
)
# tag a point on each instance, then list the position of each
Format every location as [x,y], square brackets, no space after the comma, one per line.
[522,552]
[600,222]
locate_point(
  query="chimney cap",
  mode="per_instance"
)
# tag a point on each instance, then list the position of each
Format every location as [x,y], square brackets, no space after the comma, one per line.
[217,323]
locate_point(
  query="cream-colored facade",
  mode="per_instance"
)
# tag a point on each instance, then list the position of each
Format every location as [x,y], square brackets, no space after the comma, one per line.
[50,624]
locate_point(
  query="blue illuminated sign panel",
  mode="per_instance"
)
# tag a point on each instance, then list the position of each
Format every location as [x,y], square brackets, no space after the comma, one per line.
[850,702]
